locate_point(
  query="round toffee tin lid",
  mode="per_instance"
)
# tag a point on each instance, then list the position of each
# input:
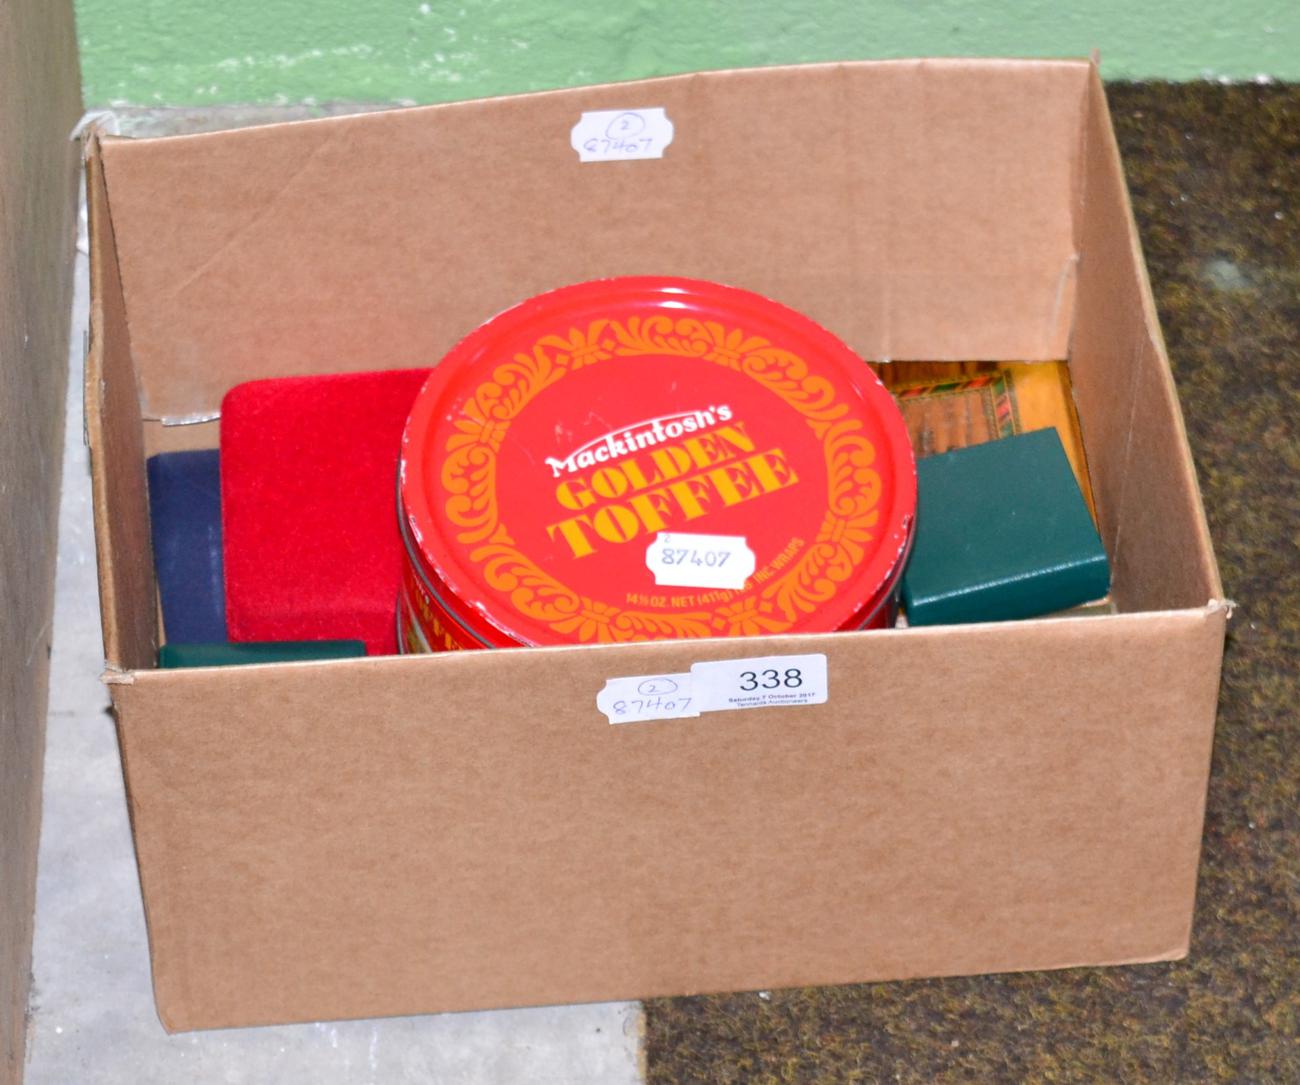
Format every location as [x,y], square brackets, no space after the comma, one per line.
[650,458]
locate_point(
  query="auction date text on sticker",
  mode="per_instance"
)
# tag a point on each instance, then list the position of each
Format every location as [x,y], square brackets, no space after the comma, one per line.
[615,135]
[763,682]
[686,560]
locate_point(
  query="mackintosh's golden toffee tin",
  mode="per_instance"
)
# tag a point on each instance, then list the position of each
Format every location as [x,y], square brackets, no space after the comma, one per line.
[650,458]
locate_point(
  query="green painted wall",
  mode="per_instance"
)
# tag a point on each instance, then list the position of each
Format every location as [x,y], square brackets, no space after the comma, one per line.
[196,52]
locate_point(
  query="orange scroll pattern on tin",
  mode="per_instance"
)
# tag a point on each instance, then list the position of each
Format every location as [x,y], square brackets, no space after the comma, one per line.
[469,480]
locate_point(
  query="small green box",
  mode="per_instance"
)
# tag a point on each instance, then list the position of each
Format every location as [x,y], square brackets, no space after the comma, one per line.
[1002,532]
[230,655]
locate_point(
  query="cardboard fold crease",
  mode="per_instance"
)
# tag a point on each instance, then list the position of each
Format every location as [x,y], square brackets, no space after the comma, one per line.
[397,835]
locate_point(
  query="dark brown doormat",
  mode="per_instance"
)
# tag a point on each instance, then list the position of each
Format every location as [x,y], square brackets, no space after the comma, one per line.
[1215,178]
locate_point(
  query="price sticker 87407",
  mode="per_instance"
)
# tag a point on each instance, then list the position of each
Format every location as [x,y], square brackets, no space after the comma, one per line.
[688,560]
[648,697]
[617,135]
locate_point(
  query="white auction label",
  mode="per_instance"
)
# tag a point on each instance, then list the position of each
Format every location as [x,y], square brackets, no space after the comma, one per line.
[613,135]
[764,682]
[684,560]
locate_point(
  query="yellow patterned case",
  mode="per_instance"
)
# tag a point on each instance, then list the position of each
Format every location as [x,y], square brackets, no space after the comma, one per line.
[954,404]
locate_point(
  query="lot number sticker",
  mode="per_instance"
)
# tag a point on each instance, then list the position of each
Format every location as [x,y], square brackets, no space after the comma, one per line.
[684,560]
[617,135]
[763,682]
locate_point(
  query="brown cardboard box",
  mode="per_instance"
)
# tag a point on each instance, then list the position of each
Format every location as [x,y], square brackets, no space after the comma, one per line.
[397,835]
[40,101]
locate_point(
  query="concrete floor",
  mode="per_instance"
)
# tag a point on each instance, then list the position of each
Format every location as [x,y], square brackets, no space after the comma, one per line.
[92,1011]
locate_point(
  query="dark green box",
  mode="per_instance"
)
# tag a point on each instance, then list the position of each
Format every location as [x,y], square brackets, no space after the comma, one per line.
[1002,532]
[230,655]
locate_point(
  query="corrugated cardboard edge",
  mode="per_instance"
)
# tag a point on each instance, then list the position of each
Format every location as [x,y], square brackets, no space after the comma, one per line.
[211,804]
[39,103]
[123,546]
[1162,373]
[315,178]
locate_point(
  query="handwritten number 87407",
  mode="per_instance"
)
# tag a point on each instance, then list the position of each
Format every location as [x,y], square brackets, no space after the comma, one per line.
[608,145]
[713,559]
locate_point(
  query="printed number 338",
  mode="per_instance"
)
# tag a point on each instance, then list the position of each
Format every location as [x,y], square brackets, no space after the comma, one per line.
[770,679]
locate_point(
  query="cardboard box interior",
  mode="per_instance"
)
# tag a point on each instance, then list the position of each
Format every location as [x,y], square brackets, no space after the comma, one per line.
[40,101]
[416,834]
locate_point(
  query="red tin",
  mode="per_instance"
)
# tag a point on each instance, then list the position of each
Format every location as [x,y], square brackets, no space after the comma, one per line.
[556,443]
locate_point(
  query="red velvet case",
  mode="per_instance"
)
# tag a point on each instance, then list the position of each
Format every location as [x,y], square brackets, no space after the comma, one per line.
[308,492]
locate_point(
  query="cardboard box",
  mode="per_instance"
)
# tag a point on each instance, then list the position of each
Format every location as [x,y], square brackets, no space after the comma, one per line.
[401,835]
[40,101]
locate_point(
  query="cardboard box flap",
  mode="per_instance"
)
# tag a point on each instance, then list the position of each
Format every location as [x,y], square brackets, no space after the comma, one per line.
[873,196]
[123,547]
[1148,502]
[387,836]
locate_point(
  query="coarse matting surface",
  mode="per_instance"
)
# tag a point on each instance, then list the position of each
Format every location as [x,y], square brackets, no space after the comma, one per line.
[1215,176]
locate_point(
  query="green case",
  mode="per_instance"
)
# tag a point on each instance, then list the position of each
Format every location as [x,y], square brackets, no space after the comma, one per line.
[1002,532]
[228,655]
